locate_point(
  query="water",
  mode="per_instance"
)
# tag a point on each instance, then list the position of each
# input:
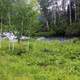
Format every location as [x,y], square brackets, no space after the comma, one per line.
[51,39]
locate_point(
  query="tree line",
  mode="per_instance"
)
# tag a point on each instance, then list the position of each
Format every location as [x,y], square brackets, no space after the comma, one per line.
[40,17]
[63,17]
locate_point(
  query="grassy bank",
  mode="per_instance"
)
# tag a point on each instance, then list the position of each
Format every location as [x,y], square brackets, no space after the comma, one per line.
[36,60]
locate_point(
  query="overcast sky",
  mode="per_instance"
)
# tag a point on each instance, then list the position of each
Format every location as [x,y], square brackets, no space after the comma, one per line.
[60,4]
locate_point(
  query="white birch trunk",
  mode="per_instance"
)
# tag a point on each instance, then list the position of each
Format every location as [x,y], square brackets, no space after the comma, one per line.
[1,33]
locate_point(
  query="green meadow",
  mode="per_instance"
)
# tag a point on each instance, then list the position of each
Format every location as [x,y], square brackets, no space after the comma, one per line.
[40,60]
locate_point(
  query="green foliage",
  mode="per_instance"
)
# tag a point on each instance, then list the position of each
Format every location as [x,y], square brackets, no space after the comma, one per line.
[73,29]
[18,16]
[41,61]
[46,34]
[5,7]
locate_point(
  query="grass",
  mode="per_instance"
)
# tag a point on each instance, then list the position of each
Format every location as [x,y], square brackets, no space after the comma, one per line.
[40,60]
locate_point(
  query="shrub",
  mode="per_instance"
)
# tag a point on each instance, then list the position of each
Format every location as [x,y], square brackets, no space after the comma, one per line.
[73,30]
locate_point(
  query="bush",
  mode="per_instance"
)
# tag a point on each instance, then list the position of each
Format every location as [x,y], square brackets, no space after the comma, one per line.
[46,34]
[73,30]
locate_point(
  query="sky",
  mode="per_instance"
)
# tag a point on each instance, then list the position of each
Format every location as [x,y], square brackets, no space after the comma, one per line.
[60,4]
[58,1]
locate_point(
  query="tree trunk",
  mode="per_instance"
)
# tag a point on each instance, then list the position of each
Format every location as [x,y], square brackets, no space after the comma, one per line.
[70,13]
[1,25]
[75,11]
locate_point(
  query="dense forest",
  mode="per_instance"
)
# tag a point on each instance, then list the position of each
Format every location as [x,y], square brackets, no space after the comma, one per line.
[40,17]
[63,17]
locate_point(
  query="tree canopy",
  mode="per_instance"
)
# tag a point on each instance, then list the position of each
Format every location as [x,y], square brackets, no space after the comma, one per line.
[19,15]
